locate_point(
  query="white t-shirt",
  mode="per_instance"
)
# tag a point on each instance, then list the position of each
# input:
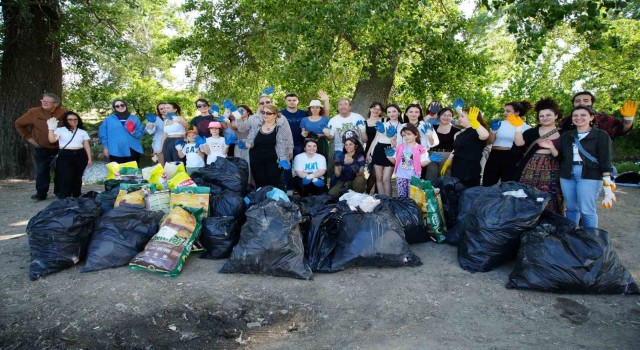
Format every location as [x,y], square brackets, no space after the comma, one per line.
[576,152]
[302,162]
[217,148]
[65,135]
[424,139]
[339,124]
[506,133]
[193,158]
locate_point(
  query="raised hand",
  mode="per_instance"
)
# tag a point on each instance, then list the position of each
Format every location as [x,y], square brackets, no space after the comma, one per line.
[495,125]
[390,152]
[214,110]
[200,140]
[628,110]
[52,123]
[268,90]
[473,117]
[392,131]
[323,95]
[435,107]
[171,115]
[434,157]
[150,117]
[515,121]
[359,123]
[380,127]
[284,164]
[426,128]
[458,104]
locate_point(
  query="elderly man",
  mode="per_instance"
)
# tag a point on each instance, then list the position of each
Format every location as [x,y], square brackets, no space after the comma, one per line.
[32,126]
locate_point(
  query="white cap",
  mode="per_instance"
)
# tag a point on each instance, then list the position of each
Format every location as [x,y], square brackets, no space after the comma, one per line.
[315,103]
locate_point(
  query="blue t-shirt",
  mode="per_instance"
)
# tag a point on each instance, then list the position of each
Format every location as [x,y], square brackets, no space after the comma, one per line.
[314,127]
[294,122]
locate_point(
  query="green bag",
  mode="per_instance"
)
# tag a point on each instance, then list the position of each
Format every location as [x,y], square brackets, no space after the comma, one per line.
[426,196]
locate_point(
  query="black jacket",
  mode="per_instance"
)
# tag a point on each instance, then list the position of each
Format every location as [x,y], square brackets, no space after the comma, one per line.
[597,143]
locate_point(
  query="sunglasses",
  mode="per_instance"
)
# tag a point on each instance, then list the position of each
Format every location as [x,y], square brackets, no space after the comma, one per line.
[119,105]
[200,106]
[269,113]
[265,103]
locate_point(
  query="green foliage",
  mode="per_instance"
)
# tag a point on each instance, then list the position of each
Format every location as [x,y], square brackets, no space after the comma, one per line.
[627,166]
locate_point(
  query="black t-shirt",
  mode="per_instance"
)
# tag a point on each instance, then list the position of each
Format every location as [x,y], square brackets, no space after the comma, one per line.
[468,145]
[446,140]
[202,124]
[294,123]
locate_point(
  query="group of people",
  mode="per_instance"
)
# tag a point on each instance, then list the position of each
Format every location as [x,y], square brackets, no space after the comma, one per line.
[306,151]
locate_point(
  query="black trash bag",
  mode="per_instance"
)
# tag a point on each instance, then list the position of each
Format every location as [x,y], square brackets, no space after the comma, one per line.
[226,203]
[119,235]
[218,237]
[340,238]
[309,207]
[450,191]
[628,177]
[107,199]
[262,194]
[59,235]
[492,228]
[229,174]
[90,195]
[409,214]
[270,243]
[556,257]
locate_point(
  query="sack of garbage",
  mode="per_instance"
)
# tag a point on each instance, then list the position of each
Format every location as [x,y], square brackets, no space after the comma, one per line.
[340,238]
[119,235]
[409,215]
[270,243]
[59,235]
[428,199]
[116,169]
[492,228]
[231,174]
[309,207]
[262,194]
[133,194]
[168,249]
[219,236]
[556,257]
[227,203]
[191,197]
[450,191]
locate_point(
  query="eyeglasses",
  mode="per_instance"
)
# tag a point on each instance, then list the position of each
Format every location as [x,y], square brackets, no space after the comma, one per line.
[265,103]
[119,105]
[269,113]
[72,119]
[200,106]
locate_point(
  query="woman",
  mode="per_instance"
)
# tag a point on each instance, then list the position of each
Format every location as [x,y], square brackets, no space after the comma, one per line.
[310,168]
[585,166]
[173,132]
[504,156]
[313,125]
[242,151]
[268,143]
[385,137]
[349,166]
[428,137]
[467,148]
[445,132]
[540,168]
[373,117]
[201,122]
[74,154]
[120,134]
[154,127]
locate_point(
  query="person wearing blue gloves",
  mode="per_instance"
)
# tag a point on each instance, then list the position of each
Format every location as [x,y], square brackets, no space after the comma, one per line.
[385,137]
[349,166]
[216,145]
[155,123]
[191,151]
[310,168]
[409,157]
[120,134]
[445,130]
[268,144]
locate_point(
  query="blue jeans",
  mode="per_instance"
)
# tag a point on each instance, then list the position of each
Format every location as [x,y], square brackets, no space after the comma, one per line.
[580,197]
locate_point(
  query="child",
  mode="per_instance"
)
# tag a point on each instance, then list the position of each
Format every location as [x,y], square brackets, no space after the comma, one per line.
[195,158]
[409,157]
[216,145]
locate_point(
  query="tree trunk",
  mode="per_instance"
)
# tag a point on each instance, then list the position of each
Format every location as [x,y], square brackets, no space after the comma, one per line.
[374,85]
[31,65]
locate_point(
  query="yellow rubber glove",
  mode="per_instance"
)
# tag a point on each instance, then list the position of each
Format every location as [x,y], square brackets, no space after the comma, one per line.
[609,197]
[606,181]
[515,120]
[446,165]
[628,110]
[473,117]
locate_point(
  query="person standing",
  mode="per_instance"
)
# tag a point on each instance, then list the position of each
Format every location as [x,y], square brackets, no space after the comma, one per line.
[154,128]
[120,134]
[613,126]
[32,127]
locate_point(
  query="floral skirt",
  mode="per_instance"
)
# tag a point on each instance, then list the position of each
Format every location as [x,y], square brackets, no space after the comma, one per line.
[542,172]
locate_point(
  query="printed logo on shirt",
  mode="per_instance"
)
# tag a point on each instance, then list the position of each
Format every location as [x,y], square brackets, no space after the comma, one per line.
[311,167]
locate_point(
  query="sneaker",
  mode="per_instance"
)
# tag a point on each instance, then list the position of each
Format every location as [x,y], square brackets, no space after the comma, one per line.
[37,197]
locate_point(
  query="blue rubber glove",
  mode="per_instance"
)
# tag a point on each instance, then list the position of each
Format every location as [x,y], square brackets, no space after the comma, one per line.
[434,157]
[151,118]
[380,127]
[495,124]
[241,144]
[170,115]
[268,91]
[318,182]
[214,110]
[338,156]
[359,123]
[458,103]
[284,164]
[179,142]
[426,127]
[230,140]
[435,107]
[390,152]
[228,132]
[392,131]
[200,141]
[433,121]
[229,105]
[305,181]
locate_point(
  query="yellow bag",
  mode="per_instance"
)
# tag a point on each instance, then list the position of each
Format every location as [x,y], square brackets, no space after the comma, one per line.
[155,175]
[181,180]
[130,194]
[173,168]
[114,169]
[192,197]
[419,196]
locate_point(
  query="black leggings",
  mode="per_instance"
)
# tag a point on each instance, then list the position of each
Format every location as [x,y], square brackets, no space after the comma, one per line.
[501,166]
[135,156]
[69,170]
[265,171]
[467,171]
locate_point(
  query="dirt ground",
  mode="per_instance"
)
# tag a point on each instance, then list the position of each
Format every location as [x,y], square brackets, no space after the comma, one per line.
[434,306]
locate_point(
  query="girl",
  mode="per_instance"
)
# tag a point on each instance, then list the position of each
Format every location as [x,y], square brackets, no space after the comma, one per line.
[310,168]
[191,151]
[215,146]
[409,157]
[385,137]
[428,137]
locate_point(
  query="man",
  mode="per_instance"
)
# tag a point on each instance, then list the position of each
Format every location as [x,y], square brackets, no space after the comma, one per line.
[613,126]
[344,121]
[32,126]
